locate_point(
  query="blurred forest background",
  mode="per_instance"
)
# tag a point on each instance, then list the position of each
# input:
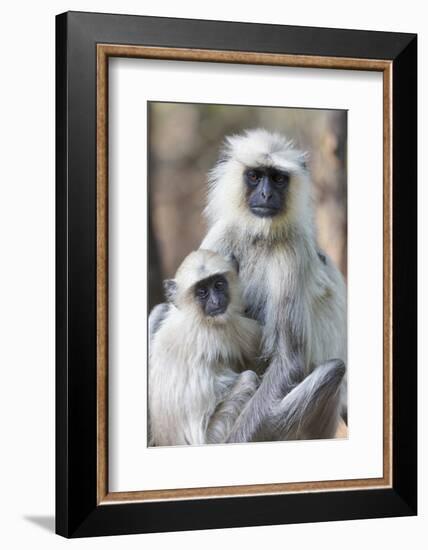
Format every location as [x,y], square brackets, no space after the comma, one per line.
[184,141]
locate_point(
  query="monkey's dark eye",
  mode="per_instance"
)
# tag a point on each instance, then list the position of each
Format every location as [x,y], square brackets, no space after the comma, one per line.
[253,176]
[202,292]
[219,285]
[279,178]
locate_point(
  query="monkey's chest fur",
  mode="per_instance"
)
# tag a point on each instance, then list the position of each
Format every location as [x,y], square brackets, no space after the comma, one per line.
[298,299]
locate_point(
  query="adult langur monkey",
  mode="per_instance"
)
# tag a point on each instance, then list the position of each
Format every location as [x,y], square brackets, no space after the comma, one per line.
[197,385]
[259,210]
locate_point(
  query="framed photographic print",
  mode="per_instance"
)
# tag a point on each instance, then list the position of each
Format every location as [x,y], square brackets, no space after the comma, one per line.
[236,274]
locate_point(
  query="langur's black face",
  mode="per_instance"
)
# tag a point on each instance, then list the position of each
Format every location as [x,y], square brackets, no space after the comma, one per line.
[266,190]
[212,295]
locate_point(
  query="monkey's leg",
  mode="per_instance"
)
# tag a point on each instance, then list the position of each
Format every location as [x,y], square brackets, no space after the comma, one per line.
[230,408]
[312,409]
[251,425]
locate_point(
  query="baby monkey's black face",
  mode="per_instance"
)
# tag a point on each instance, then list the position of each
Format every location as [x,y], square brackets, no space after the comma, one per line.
[212,295]
[266,190]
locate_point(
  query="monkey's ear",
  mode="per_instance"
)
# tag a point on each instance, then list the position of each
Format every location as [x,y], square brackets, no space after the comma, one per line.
[232,259]
[170,289]
[303,161]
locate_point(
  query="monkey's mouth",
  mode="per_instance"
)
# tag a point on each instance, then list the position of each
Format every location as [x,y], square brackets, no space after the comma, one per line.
[216,312]
[264,211]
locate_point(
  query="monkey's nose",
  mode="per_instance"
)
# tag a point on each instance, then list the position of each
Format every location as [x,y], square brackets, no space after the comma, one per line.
[266,191]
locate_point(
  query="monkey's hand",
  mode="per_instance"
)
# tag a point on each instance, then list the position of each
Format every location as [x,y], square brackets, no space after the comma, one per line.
[227,412]
[254,423]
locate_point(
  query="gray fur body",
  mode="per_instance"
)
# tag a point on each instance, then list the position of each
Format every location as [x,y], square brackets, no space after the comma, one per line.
[311,410]
[289,286]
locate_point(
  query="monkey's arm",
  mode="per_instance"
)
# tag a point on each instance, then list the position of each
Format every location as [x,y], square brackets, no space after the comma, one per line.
[254,423]
[230,408]
[284,345]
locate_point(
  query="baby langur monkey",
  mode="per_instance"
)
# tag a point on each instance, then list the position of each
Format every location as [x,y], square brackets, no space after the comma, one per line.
[201,349]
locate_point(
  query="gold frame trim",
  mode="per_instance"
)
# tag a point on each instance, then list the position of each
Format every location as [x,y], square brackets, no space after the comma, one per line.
[104,51]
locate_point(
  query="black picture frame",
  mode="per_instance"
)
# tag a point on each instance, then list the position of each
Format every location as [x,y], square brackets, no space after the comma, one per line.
[78,513]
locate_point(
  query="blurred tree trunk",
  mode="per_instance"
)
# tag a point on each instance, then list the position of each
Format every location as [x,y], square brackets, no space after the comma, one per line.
[342,152]
[155,290]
